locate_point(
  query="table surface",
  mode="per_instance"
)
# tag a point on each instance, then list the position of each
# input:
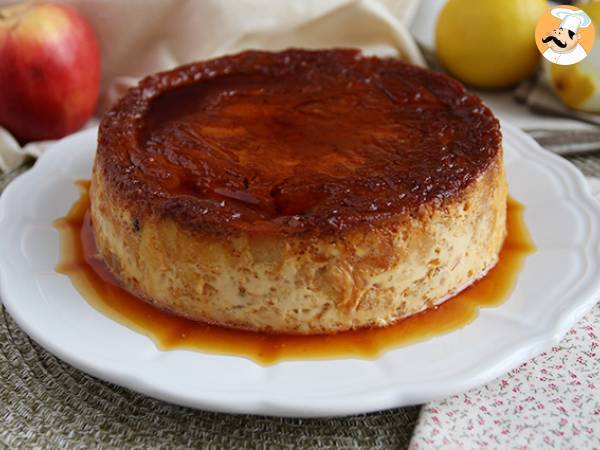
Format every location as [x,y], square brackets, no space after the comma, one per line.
[44,402]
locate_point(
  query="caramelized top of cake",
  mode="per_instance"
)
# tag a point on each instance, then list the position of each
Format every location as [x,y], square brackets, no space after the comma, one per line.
[295,141]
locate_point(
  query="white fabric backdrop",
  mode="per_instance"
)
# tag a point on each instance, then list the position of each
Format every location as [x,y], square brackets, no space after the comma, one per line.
[139,37]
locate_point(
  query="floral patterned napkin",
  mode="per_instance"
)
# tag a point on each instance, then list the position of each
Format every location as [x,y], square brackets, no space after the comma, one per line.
[551,401]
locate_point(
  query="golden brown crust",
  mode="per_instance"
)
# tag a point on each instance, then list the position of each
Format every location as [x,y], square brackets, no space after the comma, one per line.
[293,142]
[307,284]
[213,197]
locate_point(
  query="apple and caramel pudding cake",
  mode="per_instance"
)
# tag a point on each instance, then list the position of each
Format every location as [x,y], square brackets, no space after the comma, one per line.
[299,191]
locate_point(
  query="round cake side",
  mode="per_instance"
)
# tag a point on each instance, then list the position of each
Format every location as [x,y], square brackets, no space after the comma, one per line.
[303,284]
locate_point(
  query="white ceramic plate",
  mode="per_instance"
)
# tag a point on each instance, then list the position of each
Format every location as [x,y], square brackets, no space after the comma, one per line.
[558,284]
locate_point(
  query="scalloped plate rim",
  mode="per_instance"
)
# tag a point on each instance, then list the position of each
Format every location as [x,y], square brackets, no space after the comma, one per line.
[364,400]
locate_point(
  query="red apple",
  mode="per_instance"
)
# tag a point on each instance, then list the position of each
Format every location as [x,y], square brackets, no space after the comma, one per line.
[49,70]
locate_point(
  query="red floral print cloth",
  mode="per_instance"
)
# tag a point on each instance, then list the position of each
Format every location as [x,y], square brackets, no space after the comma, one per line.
[551,401]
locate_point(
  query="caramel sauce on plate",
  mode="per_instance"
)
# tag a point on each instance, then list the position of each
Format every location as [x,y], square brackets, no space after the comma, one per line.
[80,262]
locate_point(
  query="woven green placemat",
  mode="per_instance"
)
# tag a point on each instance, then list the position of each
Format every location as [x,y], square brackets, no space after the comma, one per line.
[46,403]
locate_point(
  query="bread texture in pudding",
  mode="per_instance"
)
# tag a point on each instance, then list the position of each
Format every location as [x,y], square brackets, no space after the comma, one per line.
[299,191]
